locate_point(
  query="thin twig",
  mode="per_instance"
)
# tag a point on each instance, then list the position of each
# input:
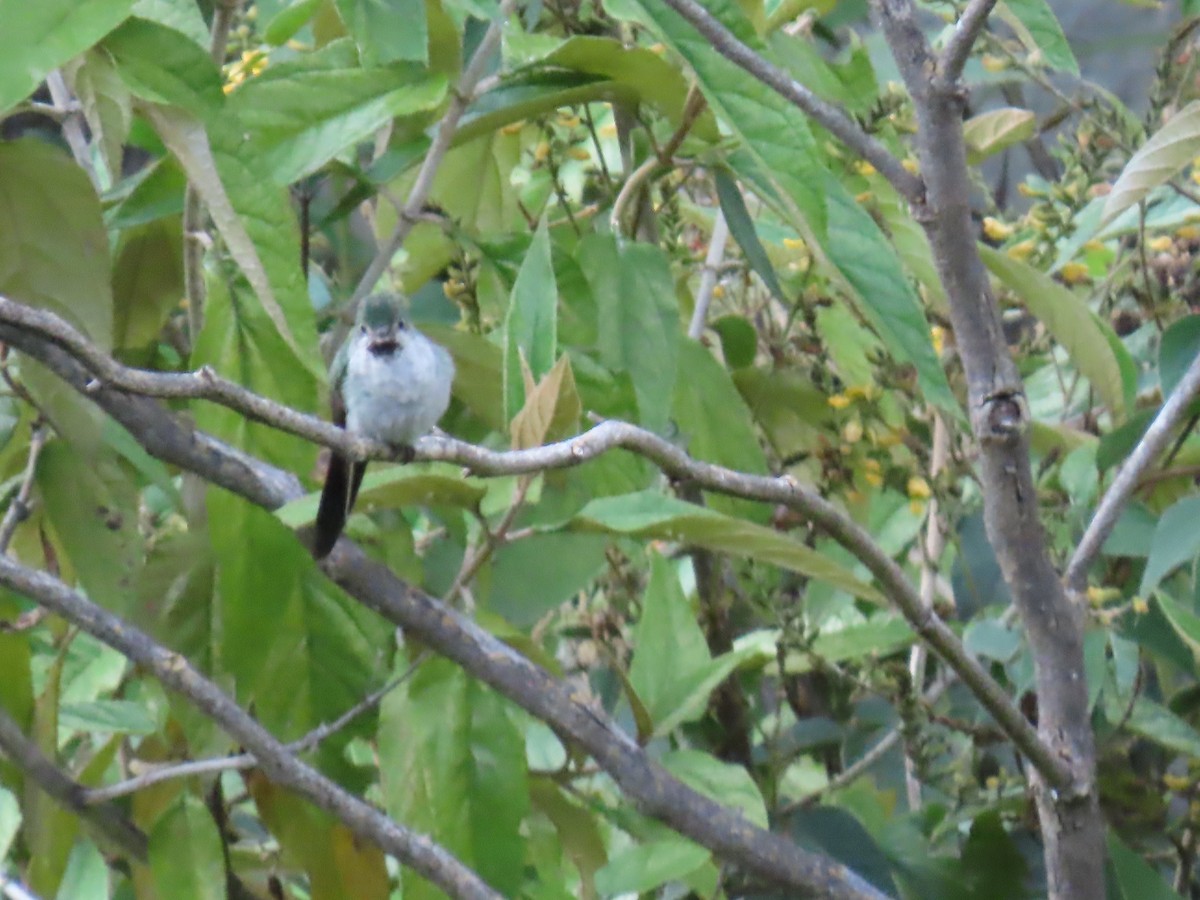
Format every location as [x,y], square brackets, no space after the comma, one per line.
[931,553]
[195,235]
[170,771]
[829,115]
[18,509]
[464,91]
[1130,476]
[708,276]
[71,125]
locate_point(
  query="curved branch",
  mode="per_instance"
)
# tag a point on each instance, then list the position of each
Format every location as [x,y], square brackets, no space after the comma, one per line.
[174,671]
[1149,448]
[829,115]
[599,440]
[482,656]
[966,31]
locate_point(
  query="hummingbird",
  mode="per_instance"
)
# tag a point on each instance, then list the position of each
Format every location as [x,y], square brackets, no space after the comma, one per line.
[389,383]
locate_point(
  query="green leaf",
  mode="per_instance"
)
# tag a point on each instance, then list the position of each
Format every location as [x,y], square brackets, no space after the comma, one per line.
[531,326]
[40,37]
[1069,322]
[1153,722]
[849,345]
[1036,25]
[298,115]
[186,858]
[107,106]
[673,672]
[739,340]
[107,716]
[10,820]
[147,281]
[649,514]
[93,507]
[881,635]
[636,69]
[733,206]
[285,23]
[988,133]
[86,877]
[387,30]
[532,576]
[715,424]
[1176,541]
[161,65]
[181,15]
[638,319]
[46,201]
[770,128]
[453,766]
[1166,153]
[395,487]
[828,829]
[997,867]
[1179,347]
[863,255]
[1185,622]
[1136,879]
[282,624]
[726,783]
[645,867]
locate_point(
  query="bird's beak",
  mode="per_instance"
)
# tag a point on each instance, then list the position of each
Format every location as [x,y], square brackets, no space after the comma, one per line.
[383,341]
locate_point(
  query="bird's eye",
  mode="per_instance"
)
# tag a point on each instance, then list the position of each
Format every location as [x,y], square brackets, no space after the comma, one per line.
[401,325]
[362,328]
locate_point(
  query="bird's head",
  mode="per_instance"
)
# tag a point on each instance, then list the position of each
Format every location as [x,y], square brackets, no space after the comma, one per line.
[381,324]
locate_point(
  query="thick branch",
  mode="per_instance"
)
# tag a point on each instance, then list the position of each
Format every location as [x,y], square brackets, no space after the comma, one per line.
[1072,826]
[174,671]
[108,822]
[601,439]
[1149,448]
[829,115]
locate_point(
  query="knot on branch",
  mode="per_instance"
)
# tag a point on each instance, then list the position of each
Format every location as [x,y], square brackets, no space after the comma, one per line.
[1001,417]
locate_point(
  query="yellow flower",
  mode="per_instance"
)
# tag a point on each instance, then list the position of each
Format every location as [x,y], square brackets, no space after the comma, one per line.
[911,165]
[1188,233]
[609,130]
[579,153]
[541,151]
[916,507]
[1021,250]
[873,478]
[864,197]
[568,120]
[937,334]
[513,127]
[1160,244]
[852,431]
[864,168]
[995,230]
[794,244]
[718,291]
[994,63]
[859,391]
[918,488]
[660,49]
[1140,606]
[838,401]
[1075,273]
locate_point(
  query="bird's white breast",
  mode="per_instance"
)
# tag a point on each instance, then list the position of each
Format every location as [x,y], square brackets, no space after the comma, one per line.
[399,397]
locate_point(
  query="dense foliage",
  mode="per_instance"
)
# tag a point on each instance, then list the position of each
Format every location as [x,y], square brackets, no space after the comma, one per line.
[607,220]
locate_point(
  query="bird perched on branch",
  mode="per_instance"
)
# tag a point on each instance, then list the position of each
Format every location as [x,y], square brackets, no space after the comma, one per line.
[388,383]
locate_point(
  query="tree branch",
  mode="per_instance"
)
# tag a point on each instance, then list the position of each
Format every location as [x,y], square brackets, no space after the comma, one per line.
[958,48]
[108,823]
[482,656]
[18,508]
[1071,822]
[828,115]
[1148,449]
[105,374]
[173,670]
[464,92]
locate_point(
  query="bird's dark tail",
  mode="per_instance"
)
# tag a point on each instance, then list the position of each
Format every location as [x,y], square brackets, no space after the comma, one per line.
[337,499]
